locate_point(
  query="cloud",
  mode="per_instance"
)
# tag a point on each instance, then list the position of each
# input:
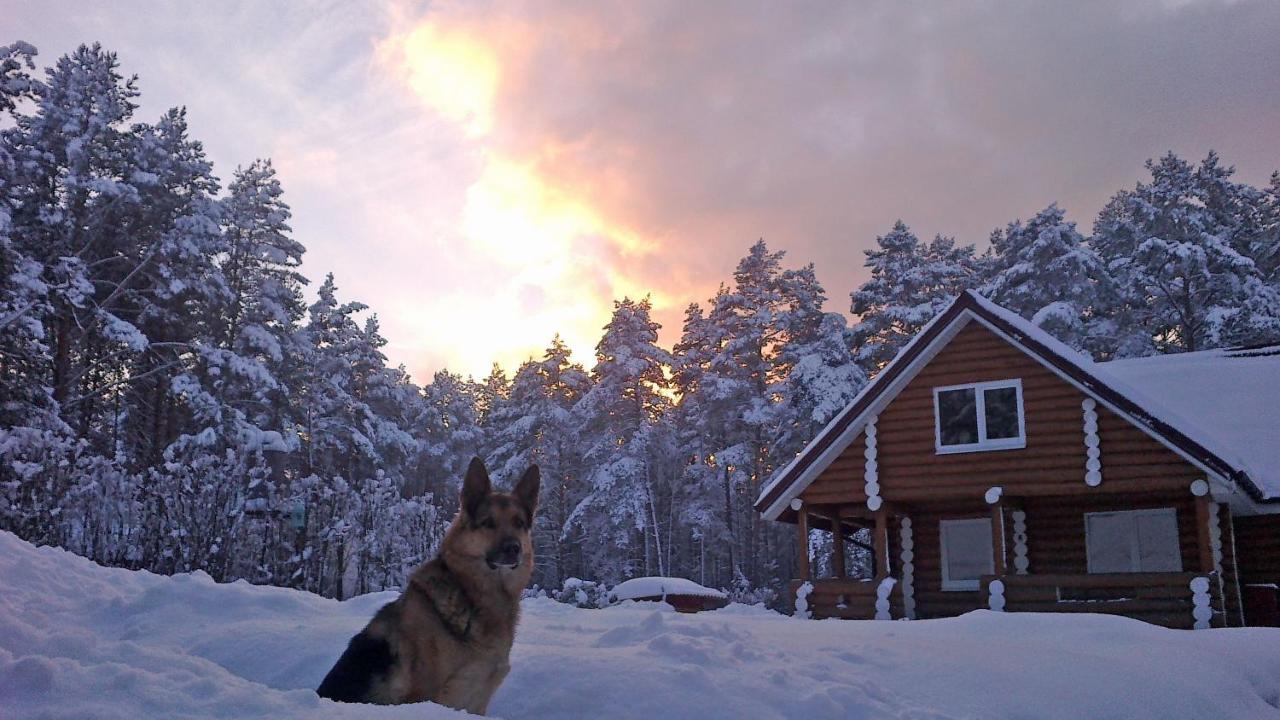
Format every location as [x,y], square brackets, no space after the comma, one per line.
[692,129]
[486,174]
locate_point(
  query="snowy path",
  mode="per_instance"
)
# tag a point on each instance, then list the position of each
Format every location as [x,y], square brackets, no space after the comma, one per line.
[81,641]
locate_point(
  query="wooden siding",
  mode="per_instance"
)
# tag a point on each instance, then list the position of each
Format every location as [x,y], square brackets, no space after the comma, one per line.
[843,482]
[931,600]
[1052,463]
[1056,535]
[1258,544]
[1230,581]
[1046,479]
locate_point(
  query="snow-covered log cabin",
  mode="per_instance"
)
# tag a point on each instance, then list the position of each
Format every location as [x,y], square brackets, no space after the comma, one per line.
[998,468]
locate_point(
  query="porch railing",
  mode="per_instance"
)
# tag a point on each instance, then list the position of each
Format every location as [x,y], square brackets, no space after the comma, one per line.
[1175,600]
[850,598]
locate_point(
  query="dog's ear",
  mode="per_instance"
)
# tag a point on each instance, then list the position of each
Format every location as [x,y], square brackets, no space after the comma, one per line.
[475,487]
[527,489]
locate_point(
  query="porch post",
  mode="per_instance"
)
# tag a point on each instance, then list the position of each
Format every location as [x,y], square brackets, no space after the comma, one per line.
[882,543]
[1201,587]
[997,538]
[802,541]
[1204,542]
[998,550]
[837,544]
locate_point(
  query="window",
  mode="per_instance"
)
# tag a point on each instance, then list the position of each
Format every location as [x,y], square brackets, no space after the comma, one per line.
[979,416]
[966,553]
[1133,541]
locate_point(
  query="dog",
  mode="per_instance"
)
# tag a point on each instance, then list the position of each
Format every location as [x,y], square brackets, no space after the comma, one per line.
[447,638]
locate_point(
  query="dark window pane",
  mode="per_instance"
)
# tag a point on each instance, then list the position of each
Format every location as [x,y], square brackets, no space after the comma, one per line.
[1002,413]
[957,417]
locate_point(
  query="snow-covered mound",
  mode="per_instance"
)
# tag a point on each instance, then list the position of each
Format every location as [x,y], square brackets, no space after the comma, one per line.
[78,640]
[643,587]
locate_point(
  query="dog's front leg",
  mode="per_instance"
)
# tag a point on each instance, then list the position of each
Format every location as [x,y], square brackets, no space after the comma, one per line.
[495,680]
[469,688]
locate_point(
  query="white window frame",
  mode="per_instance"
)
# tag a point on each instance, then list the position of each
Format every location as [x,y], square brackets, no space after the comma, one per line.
[980,401]
[954,585]
[1135,552]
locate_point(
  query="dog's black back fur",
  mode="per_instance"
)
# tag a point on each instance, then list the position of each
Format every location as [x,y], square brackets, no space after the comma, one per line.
[366,660]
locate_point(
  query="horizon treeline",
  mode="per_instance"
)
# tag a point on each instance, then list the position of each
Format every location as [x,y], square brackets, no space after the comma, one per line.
[169,400]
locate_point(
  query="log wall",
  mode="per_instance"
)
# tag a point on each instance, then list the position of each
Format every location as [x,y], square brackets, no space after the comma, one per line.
[1052,463]
[931,600]
[1258,544]
[843,482]
[1046,479]
[1056,534]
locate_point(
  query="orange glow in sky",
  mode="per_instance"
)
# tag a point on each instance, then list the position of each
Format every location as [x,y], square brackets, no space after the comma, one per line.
[552,263]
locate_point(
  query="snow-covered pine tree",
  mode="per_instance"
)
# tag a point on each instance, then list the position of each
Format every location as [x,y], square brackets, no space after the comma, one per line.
[1263,243]
[449,435]
[1171,244]
[70,157]
[910,283]
[617,424]
[491,393]
[535,426]
[1046,272]
[24,352]
[814,375]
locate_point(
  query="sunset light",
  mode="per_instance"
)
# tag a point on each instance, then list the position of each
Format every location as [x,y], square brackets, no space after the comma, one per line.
[453,74]
[552,262]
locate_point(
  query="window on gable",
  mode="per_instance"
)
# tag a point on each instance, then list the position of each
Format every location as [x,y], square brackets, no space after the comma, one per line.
[979,416]
[966,553]
[1133,541]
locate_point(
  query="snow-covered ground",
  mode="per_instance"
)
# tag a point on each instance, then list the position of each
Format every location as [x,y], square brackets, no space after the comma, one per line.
[81,641]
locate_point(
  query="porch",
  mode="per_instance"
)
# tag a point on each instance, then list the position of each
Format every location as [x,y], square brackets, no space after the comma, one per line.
[1193,589]
[1173,600]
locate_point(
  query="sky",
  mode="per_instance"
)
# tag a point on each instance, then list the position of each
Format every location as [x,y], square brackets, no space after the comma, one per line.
[486,174]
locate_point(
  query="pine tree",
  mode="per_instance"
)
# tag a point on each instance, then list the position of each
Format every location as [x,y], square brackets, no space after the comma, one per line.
[1045,271]
[910,283]
[616,422]
[814,372]
[1172,246]
[24,352]
[535,426]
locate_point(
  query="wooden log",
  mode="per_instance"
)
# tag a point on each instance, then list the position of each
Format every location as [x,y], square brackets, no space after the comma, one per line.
[1103,580]
[924,493]
[882,543]
[1203,544]
[998,548]
[837,544]
[802,544]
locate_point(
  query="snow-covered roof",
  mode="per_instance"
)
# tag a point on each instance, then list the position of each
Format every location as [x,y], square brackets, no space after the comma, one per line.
[1229,400]
[1219,409]
[645,587]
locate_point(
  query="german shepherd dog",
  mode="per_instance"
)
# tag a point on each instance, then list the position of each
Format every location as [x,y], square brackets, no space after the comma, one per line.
[448,637]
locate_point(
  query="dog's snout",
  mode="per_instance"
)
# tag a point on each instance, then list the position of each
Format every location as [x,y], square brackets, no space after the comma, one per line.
[507,552]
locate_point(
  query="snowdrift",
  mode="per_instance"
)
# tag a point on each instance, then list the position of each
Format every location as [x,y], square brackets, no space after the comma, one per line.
[79,641]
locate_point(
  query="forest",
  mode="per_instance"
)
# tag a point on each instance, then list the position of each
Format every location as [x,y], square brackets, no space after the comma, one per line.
[170,400]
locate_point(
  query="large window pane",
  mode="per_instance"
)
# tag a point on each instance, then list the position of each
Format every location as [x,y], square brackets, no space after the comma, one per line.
[957,417]
[967,552]
[1133,541]
[1002,413]
[1158,543]
[1111,541]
